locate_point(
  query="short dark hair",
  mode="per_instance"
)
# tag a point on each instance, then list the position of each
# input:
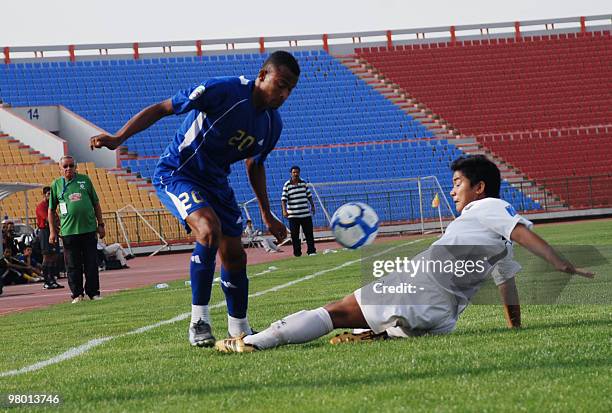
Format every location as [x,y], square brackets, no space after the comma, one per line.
[295,167]
[282,58]
[478,168]
[46,189]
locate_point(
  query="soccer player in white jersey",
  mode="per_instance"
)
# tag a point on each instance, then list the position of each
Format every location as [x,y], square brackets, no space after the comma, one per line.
[228,119]
[485,220]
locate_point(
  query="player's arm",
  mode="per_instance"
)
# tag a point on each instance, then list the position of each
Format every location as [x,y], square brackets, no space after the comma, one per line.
[312,205]
[51,215]
[98,210]
[139,122]
[18,265]
[510,301]
[284,206]
[537,246]
[256,172]
[284,197]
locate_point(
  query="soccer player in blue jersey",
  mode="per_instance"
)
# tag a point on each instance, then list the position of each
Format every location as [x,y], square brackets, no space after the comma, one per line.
[229,119]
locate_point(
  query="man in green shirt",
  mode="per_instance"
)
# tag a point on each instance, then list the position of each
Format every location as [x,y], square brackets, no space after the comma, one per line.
[80,218]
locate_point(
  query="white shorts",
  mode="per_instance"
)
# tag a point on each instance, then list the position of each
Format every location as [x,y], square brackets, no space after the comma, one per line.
[430,312]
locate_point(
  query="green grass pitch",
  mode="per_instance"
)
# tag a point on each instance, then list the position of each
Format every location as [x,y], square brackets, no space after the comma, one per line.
[559,361]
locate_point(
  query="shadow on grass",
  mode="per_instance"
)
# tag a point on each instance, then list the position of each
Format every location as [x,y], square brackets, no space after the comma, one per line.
[542,325]
[375,378]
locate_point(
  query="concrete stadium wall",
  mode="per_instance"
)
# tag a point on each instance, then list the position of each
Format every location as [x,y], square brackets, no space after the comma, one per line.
[12,123]
[56,131]
[77,131]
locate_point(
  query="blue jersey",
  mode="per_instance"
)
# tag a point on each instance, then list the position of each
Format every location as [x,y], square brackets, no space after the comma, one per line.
[222,127]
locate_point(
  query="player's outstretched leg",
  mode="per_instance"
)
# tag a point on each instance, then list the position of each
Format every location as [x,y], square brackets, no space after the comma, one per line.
[235,285]
[300,327]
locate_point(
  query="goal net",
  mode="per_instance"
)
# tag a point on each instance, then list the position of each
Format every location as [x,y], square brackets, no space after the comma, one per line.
[404,204]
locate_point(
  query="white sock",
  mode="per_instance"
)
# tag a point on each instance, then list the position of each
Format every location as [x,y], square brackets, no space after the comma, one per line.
[237,326]
[200,312]
[300,327]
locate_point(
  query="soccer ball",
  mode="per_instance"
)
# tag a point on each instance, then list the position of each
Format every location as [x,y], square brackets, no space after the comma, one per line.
[354,225]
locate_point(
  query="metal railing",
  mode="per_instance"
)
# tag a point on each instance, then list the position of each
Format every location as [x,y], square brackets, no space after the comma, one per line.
[332,41]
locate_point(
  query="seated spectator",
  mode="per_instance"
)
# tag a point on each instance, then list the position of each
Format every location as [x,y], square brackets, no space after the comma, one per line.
[255,236]
[8,237]
[35,269]
[26,258]
[16,272]
[114,252]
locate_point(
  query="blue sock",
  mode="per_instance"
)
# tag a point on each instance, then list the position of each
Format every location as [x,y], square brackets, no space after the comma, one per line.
[235,286]
[202,271]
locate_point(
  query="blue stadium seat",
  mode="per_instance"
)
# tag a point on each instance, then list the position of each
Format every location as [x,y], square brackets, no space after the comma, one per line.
[329,106]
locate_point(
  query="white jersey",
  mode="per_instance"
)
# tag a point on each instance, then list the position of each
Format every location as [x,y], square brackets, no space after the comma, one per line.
[486,222]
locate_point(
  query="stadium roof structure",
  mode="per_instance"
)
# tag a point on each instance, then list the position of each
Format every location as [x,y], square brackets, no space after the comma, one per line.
[338,43]
[8,189]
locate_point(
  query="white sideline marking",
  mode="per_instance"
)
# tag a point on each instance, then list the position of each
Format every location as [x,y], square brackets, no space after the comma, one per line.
[83,348]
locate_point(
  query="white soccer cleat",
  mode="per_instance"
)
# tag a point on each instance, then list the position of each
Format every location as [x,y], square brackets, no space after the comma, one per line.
[200,334]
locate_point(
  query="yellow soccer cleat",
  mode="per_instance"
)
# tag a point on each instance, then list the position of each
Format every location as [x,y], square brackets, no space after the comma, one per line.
[350,337]
[234,345]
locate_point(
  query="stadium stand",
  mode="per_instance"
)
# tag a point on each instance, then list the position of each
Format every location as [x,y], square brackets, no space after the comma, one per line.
[503,85]
[115,190]
[545,91]
[331,106]
[580,156]
[541,103]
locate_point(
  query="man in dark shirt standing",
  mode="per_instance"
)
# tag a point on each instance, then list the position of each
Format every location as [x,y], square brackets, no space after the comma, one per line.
[50,253]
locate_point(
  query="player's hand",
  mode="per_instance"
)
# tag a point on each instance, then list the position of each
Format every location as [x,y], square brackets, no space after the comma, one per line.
[277,228]
[101,231]
[52,238]
[569,268]
[584,273]
[104,141]
[285,214]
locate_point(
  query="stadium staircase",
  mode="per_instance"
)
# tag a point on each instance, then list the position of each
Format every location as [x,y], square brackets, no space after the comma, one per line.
[442,129]
[116,187]
[14,152]
[394,92]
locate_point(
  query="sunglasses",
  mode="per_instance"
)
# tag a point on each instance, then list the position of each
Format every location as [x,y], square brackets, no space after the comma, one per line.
[70,165]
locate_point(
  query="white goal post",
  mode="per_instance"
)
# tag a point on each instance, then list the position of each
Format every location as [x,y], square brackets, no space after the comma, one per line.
[124,232]
[402,204]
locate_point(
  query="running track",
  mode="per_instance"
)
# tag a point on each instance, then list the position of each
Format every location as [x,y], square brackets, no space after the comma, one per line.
[144,271]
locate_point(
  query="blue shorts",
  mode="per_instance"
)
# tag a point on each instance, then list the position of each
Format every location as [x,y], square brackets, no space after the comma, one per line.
[182,195]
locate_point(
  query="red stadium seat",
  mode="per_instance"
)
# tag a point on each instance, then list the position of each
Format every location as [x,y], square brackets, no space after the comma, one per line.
[545,94]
